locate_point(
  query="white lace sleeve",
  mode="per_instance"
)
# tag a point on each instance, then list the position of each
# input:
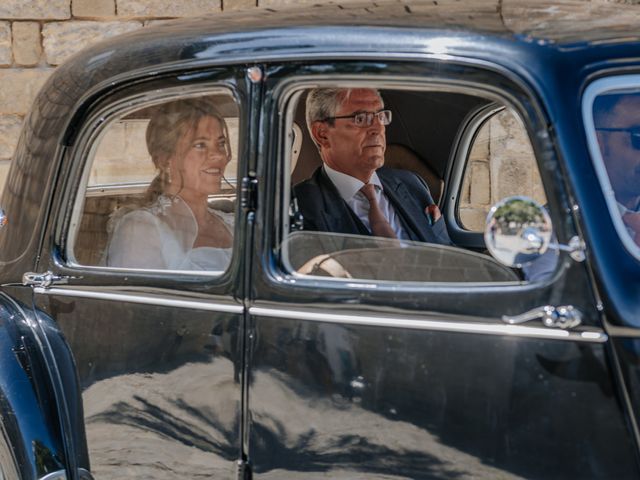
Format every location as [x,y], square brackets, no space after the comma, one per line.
[136,242]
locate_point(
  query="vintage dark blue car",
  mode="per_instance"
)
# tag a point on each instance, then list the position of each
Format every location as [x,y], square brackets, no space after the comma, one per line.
[133,348]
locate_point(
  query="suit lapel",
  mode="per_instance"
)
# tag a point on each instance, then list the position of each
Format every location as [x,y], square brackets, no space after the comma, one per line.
[336,213]
[407,208]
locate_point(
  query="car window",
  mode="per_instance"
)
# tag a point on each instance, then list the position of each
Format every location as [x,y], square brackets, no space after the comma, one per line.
[345,256]
[612,108]
[158,191]
[500,163]
[392,229]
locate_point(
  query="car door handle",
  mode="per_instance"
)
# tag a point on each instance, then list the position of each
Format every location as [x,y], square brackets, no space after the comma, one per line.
[44,280]
[563,317]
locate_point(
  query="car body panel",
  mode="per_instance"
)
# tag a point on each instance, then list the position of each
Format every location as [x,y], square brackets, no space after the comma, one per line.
[378,402]
[33,408]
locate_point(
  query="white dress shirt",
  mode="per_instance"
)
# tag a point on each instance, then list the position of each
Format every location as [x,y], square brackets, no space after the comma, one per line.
[349,189]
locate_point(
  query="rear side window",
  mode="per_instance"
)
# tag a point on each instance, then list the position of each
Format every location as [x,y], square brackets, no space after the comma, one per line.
[611,109]
[158,189]
[501,163]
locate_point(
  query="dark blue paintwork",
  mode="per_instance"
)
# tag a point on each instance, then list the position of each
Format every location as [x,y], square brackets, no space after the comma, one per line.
[31,410]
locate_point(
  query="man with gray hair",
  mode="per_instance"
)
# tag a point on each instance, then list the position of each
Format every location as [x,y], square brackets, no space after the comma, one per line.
[352,192]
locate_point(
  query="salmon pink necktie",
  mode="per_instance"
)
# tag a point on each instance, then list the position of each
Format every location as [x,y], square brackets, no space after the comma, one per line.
[380,226]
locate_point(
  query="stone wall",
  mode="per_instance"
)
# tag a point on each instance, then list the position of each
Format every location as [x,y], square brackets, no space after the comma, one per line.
[38,35]
[501,164]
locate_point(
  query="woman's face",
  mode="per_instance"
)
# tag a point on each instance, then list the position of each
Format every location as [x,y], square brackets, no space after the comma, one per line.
[200,159]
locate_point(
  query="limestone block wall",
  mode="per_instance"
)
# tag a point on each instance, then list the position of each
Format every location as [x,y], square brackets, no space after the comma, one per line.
[501,163]
[38,35]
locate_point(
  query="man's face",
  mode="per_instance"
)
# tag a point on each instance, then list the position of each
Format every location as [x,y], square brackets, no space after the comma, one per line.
[621,158]
[347,148]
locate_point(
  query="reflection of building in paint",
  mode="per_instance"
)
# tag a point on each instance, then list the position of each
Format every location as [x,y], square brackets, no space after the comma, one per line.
[131,436]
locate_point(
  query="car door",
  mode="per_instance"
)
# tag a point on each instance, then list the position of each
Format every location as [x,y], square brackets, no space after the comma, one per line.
[380,364]
[158,347]
[610,120]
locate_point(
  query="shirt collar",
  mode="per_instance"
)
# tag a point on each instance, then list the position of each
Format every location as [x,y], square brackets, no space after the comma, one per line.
[347,185]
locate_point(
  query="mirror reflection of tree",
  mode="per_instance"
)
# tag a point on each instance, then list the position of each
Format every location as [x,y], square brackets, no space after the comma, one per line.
[518,214]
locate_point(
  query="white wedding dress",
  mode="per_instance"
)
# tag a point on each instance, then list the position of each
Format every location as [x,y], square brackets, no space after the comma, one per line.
[161,237]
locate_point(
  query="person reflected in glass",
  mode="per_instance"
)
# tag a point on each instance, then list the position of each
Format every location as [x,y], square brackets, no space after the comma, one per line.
[174,227]
[617,123]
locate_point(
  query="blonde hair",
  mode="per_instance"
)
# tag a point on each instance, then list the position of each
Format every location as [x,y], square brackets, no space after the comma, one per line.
[169,124]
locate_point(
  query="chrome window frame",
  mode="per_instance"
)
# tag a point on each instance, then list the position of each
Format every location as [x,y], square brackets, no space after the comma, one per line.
[459,160]
[593,90]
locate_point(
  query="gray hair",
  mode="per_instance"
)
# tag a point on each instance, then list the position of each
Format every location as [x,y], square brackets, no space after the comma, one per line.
[323,103]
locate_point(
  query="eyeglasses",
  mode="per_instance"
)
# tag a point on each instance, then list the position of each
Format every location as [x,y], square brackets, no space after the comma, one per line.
[634,134]
[365,119]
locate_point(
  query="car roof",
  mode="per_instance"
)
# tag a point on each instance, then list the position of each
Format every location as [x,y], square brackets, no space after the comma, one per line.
[546,46]
[558,21]
[263,34]
[525,38]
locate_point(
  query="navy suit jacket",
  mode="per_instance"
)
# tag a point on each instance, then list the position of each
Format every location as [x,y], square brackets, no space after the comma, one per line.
[324,210]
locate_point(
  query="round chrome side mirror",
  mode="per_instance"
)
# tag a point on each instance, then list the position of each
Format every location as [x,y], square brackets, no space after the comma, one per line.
[518,231]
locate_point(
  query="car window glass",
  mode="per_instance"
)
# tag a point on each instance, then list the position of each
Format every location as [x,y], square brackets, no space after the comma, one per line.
[344,256]
[159,189]
[616,117]
[393,229]
[501,163]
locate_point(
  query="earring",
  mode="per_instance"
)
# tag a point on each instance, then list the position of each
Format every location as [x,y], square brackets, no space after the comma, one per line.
[168,173]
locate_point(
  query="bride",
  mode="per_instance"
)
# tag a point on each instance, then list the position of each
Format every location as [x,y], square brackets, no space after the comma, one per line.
[174,228]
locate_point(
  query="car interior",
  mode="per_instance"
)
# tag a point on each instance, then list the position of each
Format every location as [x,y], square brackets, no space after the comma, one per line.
[424,137]
[419,138]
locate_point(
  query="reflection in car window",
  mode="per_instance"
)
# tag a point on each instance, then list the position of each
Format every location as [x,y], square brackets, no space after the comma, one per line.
[374,258]
[157,196]
[616,117]
[361,188]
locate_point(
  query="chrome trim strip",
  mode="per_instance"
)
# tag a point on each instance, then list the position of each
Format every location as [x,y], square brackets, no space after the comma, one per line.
[144,299]
[591,336]
[116,189]
[463,143]
[59,475]
[62,475]
[616,331]
[140,187]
